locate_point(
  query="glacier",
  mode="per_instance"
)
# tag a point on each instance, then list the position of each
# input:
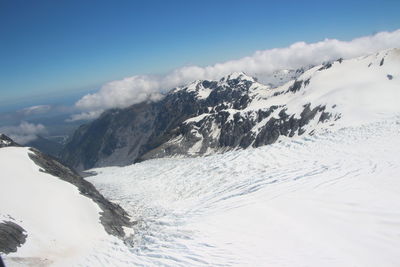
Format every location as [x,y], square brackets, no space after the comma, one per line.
[328,195]
[331,199]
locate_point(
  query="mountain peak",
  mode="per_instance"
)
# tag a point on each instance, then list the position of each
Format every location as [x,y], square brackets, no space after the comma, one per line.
[6,141]
[238,76]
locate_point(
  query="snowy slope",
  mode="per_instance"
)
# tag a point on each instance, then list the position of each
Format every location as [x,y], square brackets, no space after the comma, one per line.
[360,89]
[340,93]
[62,226]
[332,199]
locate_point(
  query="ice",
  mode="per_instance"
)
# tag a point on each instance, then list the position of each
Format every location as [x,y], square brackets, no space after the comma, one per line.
[331,199]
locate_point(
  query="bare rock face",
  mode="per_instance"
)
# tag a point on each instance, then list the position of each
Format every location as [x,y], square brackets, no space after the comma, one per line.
[12,236]
[198,119]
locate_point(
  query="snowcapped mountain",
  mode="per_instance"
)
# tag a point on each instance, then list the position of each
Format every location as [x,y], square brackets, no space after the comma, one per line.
[236,111]
[48,214]
[324,192]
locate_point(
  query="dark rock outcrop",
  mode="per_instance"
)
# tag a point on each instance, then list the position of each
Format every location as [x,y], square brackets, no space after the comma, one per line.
[6,141]
[12,236]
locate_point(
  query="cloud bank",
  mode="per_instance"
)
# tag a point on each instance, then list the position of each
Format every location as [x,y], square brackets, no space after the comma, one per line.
[139,88]
[24,132]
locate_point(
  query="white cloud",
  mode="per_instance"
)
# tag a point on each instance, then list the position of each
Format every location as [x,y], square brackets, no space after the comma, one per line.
[23,133]
[85,115]
[39,109]
[140,88]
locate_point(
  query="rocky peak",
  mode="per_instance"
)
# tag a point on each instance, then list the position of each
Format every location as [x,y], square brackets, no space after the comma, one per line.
[6,141]
[238,76]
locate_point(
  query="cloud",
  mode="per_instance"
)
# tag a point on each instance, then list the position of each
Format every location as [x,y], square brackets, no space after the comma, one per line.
[24,132]
[39,109]
[85,116]
[139,88]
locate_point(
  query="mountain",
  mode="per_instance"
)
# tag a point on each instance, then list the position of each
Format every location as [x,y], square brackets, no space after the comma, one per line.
[237,112]
[6,141]
[48,212]
[46,145]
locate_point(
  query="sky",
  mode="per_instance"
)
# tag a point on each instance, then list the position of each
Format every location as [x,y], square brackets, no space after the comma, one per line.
[51,49]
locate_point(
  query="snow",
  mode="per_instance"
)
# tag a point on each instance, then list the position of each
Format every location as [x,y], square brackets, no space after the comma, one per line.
[204,93]
[332,199]
[239,75]
[357,91]
[62,226]
[358,88]
[197,118]
[5,142]
[193,86]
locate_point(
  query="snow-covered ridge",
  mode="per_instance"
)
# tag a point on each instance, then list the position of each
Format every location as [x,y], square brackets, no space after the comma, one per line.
[51,215]
[203,88]
[335,94]
[366,83]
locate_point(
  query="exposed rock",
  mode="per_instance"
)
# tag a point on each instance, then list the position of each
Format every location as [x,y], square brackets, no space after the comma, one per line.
[326,65]
[6,141]
[12,236]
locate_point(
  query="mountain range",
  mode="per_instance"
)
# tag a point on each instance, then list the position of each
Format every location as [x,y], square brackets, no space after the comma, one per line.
[237,112]
[306,160]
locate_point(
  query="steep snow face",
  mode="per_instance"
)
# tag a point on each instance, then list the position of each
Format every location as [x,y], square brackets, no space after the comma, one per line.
[332,199]
[62,227]
[360,90]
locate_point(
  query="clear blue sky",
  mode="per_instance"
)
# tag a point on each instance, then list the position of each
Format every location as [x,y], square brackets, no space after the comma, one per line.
[60,47]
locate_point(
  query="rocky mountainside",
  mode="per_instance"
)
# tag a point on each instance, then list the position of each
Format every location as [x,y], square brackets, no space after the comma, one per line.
[6,141]
[32,176]
[236,111]
[46,145]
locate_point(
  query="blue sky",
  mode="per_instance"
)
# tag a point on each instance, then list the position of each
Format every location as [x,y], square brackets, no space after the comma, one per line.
[60,48]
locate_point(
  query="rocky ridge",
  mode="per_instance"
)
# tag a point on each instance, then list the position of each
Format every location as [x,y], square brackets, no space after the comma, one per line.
[112,216]
[235,112]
